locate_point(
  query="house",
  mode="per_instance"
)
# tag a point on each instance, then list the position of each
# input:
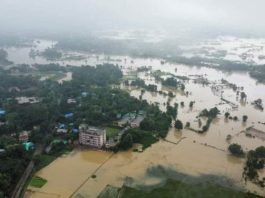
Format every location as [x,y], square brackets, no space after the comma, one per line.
[28,146]
[253,132]
[2,112]
[2,151]
[137,121]
[61,128]
[92,136]
[13,89]
[126,119]
[84,94]
[27,100]
[61,131]
[69,115]
[23,136]
[71,101]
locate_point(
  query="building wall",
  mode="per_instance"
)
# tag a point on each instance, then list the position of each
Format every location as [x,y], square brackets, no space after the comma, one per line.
[92,140]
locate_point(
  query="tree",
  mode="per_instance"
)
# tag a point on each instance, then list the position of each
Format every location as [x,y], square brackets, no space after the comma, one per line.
[245,117]
[191,104]
[182,104]
[236,149]
[182,87]
[212,113]
[243,95]
[235,118]
[260,152]
[126,142]
[178,125]
[172,111]
[227,114]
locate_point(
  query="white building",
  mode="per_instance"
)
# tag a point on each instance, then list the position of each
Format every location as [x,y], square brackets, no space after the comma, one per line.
[92,136]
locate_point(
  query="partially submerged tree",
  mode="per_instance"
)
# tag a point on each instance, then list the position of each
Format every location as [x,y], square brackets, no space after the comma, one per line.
[244,118]
[227,114]
[236,150]
[178,125]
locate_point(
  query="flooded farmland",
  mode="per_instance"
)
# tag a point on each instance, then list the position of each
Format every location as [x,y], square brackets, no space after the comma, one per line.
[186,152]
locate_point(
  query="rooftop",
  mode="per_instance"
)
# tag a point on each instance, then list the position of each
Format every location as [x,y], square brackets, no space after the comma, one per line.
[91,129]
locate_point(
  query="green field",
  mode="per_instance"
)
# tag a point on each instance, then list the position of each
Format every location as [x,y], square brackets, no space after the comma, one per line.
[111,132]
[37,182]
[176,189]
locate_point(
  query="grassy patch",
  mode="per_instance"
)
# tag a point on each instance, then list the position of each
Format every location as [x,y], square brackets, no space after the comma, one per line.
[43,160]
[37,182]
[111,132]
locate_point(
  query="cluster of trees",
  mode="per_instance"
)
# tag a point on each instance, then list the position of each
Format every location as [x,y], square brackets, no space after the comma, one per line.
[235,118]
[210,114]
[140,83]
[255,161]
[13,162]
[146,138]
[236,149]
[172,82]
[101,75]
[258,73]
[172,111]
[156,121]
[51,54]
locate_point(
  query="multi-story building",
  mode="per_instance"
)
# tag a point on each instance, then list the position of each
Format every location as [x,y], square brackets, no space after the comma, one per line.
[92,136]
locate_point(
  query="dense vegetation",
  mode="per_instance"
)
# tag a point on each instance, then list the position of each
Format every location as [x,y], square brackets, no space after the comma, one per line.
[51,54]
[210,115]
[255,161]
[13,161]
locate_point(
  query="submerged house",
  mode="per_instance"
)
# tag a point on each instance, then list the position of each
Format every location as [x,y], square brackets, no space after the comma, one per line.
[92,136]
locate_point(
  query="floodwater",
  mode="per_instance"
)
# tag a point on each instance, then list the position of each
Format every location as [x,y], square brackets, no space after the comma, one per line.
[196,154]
[245,50]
